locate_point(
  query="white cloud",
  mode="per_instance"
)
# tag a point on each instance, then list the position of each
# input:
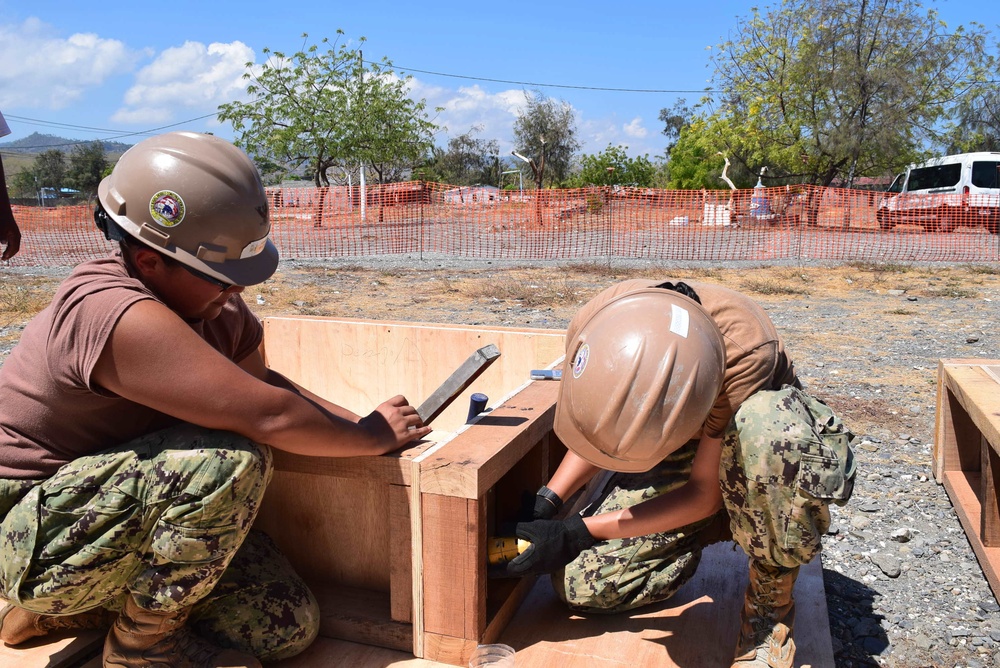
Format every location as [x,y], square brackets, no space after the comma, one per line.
[186,79]
[493,114]
[44,70]
[635,128]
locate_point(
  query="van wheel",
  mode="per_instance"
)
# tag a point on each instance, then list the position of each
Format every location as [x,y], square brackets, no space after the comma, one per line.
[886,221]
[946,224]
[993,223]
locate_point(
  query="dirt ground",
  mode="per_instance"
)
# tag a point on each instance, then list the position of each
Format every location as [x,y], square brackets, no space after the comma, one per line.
[850,316]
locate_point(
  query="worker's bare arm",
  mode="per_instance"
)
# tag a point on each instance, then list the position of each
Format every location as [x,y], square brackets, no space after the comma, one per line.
[698,498]
[193,382]
[572,473]
[254,364]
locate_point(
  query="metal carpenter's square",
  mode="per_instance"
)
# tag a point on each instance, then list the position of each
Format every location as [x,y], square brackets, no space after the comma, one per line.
[457,381]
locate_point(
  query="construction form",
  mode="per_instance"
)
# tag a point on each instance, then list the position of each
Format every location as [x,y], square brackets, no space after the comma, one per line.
[395,546]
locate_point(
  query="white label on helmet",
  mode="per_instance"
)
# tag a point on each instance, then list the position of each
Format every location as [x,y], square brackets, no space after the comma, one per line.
[254,248]
[580,362]
[679,320]
[167,208]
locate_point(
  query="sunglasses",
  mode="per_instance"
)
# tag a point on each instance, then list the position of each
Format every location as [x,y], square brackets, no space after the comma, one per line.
[222,285]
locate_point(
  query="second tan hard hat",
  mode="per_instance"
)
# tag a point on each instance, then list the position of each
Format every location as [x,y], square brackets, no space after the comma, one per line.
[197,198]
[641,376]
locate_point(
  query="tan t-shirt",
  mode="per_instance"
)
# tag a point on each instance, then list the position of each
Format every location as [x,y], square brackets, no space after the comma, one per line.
[755,355]
[51,411]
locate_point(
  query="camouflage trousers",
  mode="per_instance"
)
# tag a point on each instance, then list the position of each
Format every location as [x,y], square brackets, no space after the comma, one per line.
[166,519]
[785,458]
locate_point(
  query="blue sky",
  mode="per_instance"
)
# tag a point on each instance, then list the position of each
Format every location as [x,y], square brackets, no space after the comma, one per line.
[108,69]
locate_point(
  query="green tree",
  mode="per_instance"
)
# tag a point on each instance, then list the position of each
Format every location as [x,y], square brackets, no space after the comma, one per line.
[821,90]
[87,165]
[467,161]
[674,120]
[329,109]
[545,134]
[613,166]
[49,169]
[977,118]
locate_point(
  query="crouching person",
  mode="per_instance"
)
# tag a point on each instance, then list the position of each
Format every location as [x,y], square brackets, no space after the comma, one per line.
[686,392]
[137,419]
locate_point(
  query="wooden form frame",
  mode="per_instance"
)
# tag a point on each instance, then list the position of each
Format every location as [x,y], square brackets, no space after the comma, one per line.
[395,546]
[967,453]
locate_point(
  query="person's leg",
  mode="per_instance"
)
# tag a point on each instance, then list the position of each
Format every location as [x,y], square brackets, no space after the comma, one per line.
[626,573]
[160,517]
[783,462]
[260,605]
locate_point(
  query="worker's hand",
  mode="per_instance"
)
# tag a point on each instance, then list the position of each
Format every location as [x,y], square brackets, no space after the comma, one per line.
[554,543]
[10,236]
[542,505]
[394,424]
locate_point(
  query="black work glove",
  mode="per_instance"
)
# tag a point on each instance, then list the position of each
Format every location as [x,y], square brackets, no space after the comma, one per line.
[542,505]
[554,543]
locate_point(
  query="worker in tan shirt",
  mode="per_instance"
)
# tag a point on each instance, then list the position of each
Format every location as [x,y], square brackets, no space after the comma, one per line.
[137,419]
[686,392]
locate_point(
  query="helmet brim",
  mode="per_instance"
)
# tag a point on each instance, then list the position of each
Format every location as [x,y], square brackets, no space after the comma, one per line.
[245,271]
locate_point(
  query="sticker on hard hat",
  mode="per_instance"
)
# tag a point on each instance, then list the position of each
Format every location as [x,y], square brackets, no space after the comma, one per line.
[580,362]
[680,319]
[254,248]
[167,208]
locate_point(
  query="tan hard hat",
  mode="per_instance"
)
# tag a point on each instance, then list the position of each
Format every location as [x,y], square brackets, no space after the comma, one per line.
[641,376]
[198,199]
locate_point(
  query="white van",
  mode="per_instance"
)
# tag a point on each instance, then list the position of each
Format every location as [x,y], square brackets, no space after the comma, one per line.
[944,193]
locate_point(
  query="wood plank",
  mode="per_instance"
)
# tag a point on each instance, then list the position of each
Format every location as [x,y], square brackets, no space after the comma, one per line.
[475,459]
[360,363]
[58,650]
[454,541]
[331,529]
[400,542]
[963,489]
[989,526]
[698,627]
[331,653]
[976,391]
[361,616]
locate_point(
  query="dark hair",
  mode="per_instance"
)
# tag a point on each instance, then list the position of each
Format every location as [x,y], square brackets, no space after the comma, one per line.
[682,288]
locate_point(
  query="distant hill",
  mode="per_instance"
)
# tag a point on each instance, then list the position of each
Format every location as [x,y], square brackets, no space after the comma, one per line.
[36,143]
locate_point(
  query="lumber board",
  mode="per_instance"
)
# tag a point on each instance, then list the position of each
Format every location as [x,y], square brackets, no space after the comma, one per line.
[989,526]
[976,391]
[963,488]
[360,363]
[697,627]
[459,380]
[59,650]
[359,615]
[400,542]
[454,542]
[474,460]
[331,529]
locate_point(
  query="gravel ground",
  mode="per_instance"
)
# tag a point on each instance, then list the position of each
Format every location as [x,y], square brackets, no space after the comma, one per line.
[903,585]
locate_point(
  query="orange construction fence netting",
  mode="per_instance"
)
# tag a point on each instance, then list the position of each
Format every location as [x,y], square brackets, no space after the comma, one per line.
[480,222]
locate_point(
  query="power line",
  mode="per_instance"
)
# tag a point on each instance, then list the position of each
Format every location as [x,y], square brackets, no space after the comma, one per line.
[548,85]
[121,133]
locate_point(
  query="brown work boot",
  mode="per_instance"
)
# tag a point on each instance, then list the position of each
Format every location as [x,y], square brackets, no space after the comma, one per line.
[767,618]
[18,625]
[148,639]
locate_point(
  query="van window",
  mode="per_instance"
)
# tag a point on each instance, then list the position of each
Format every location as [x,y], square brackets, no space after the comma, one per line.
[986,174]
[938,176]
[897,184]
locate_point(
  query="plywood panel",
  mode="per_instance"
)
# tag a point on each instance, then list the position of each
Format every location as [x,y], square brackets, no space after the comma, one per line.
[358,363]
[59,650]
[332,529]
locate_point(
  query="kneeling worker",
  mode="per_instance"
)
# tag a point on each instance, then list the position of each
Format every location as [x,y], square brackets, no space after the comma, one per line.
[137,419]
[685,390]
